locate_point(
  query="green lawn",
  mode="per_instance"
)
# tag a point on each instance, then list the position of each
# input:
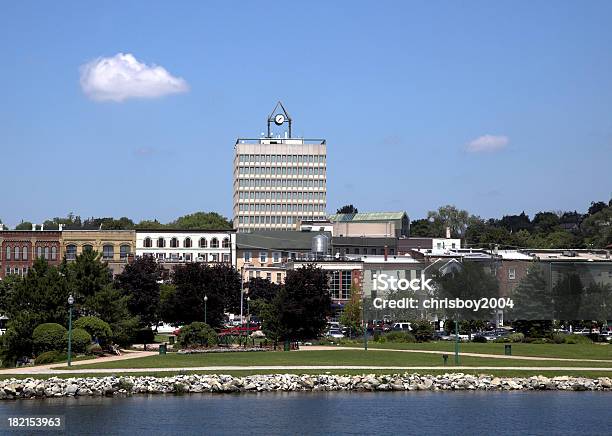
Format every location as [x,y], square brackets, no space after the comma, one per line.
[331,357]
[566,351]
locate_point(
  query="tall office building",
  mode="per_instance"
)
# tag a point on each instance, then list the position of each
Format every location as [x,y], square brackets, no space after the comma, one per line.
[278,179]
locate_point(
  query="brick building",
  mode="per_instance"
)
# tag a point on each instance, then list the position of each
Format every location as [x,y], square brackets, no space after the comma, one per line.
[20,248]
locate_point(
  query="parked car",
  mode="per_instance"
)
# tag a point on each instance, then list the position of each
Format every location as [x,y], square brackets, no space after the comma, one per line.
[606,336]
[402,326]
[442,336]
[334,333]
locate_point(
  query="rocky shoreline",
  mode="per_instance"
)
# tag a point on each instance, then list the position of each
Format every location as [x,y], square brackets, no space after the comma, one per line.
[11,389]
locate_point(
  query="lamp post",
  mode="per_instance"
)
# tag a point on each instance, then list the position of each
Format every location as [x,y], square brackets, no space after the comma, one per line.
[365,324]
[70,303]
[205,300]
[456,342]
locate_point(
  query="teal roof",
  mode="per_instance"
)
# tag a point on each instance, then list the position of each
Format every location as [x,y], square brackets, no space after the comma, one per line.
[366,216]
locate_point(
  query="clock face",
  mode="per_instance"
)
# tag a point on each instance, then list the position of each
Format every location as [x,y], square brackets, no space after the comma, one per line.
[279,119]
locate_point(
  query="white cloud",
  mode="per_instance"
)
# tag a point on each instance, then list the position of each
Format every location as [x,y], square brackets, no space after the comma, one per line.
[122,76]
[487,143]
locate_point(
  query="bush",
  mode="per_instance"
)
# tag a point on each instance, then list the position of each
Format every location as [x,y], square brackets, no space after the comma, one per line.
[48,337]
[577,339]
[538,341]
[97,328]
[95,349]
[48,357]
[516,337]
[558,338]
[422,330]
[399,337]
[197,334]
[479,339]
[80,340]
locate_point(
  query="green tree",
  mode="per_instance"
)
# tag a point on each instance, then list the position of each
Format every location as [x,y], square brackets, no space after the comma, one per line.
[352,314]
[220,283]
[24,225]
[150,225]
[567,295]
[305,303]
[449,216]
[201,221]
[140,282]
[349,208]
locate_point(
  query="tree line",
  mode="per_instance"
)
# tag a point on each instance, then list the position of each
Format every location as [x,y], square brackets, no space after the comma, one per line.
[546,229]
[194,221]
[145,293]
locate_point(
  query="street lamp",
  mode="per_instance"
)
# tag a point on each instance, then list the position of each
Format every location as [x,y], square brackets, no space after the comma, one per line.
[70,303]
[205,300]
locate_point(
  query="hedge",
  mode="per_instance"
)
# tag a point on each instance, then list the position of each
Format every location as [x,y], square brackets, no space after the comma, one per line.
[80,340]
[96,327]
[48,337]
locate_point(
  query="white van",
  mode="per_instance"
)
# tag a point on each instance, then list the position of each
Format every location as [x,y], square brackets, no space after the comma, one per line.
[402,326]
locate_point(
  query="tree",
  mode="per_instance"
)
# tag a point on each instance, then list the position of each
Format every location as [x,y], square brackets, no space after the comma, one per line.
[514,223]
[597,228]
[262,289]
[304,304]
[352,314]
[422,228]
[533,304]
[220,283]
[201,221]
[451,217]
[139,281]
[150,225]
[24,225]
[472,281]
[567,294]
[349,208]
[545,222]
[167,302]
[597,207]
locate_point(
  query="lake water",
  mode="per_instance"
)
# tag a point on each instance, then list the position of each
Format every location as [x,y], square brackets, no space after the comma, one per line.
[385,413]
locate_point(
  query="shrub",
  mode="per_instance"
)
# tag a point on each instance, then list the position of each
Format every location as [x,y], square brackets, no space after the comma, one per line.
[80,340]
[97,328]
[48,337]
[197,334]
[538,341]
[48,357]
[516,337]
[400,337]
[95,349]
[422,330]
[479,339]
[558,338]
[577,339]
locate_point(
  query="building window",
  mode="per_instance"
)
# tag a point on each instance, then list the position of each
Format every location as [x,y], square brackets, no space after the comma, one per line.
[53,253]
[124,251]
[214,243]
[279,278]
[247,256]
[17,253]
[215,257]
[269,276]
[161,242]
[8,253]
[71,252]
[47,253]
[174,243]
[87,247]
[276,257]
[108,251]
[226,243]
[187,243]
[203,243]
[24,253]
[147,243]
[511,273]
[263,256]
[226,257]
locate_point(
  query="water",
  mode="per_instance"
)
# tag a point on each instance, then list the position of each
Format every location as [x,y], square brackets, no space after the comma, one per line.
[385,413]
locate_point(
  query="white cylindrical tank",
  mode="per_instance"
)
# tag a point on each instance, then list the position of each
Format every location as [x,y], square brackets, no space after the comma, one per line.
[320,244]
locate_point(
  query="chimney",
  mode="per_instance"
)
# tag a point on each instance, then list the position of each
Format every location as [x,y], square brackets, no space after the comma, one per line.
[1,226]
[61,227]
[42,227]
[386,252]
[33,227]
[448,233]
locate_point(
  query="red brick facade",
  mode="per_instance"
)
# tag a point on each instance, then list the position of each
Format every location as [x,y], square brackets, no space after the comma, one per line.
[20,248]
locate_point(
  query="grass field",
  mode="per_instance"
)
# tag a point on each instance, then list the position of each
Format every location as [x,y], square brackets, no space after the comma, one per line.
[565,351]
[332,357]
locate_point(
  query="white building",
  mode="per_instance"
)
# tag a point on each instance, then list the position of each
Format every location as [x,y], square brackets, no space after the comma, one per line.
[182,246]
[278,181]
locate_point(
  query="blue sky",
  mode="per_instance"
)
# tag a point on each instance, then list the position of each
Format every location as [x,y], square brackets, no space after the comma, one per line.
[398,89]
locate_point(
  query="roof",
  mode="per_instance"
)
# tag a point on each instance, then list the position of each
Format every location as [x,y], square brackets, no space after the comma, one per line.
[367,216]
[277,239]
[363,241]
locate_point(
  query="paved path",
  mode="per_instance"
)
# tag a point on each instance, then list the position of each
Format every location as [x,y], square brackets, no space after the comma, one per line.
[492,356]
[293,369]
[46,369]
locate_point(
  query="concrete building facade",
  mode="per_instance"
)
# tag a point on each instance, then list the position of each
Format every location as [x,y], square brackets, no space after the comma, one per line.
[183,246]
